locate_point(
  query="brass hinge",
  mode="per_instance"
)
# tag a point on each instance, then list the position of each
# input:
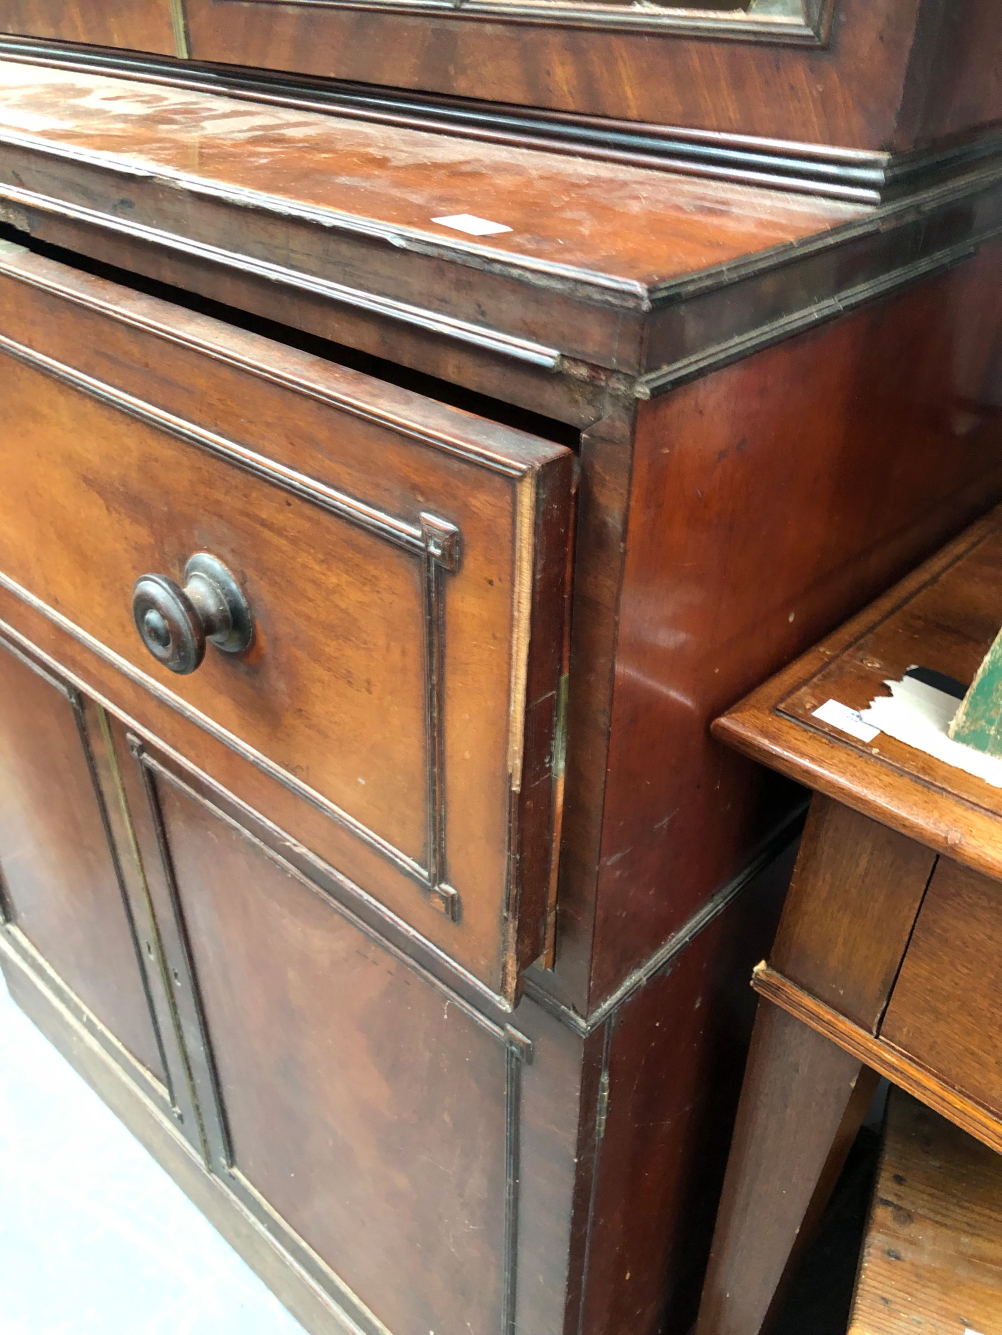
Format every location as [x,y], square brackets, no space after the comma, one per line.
[602,1113]
[560,729]
[179,23]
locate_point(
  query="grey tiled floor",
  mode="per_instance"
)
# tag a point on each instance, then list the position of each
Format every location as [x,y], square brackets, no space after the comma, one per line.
[95,1238]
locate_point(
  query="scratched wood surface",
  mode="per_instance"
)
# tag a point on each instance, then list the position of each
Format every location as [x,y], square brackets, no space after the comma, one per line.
[631,225]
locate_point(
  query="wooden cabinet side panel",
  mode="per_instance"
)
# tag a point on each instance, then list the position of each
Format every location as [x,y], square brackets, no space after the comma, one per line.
[770,500]
[675,1065]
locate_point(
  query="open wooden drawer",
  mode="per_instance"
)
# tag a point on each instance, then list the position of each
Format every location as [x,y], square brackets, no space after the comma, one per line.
[402,564]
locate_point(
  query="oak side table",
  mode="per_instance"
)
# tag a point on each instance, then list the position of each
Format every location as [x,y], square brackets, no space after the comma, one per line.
[888,958]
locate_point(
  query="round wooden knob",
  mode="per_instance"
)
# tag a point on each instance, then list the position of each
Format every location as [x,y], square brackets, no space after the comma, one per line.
[174,623]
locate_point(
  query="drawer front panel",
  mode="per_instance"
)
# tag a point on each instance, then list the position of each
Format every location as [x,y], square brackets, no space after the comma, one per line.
[141,504]
[402,562]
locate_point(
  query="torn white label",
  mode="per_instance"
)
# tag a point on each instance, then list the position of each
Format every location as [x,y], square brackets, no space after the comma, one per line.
[920,716]
[469,222]
[846,720]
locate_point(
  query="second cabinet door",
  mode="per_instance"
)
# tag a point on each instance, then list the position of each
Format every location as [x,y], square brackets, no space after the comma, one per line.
[362,1110]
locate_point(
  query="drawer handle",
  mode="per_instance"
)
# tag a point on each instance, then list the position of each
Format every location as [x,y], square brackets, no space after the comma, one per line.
[174,623]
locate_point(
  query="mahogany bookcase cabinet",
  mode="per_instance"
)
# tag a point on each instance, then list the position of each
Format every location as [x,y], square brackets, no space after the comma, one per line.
[367,585]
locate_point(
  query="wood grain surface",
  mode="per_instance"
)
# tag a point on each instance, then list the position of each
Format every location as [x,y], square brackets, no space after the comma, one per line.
[768,501]
[932,1255]
[802,1103]
[677,1051]
[628,224]
[943,1008]
[931,1086]
[142,25]
[855,893]
[334,1026]
[328,223]
[359,1101]
[852,90]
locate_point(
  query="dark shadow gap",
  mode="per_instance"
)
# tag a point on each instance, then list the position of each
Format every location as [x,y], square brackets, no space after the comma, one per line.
[431,387]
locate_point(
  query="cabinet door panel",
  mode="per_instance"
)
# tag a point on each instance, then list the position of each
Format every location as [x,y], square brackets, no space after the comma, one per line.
[364,1111]
[61,880]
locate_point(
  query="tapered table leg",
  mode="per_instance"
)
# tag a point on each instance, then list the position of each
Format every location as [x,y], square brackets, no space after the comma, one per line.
[801,1105]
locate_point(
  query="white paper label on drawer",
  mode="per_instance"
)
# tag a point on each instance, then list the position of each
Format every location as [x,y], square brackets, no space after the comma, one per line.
[469,222]
[846,720]
[920,716]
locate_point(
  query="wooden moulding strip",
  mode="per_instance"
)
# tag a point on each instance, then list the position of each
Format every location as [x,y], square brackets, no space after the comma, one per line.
[881,1056]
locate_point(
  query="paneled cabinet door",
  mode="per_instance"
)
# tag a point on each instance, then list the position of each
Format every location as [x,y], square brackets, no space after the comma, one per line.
[362,1111]
[72,903]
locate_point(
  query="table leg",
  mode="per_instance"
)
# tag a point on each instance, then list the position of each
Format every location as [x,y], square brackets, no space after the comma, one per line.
[802,1102]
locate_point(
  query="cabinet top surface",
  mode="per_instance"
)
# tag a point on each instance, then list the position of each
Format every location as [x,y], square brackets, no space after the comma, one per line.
[625,226]
[942,617]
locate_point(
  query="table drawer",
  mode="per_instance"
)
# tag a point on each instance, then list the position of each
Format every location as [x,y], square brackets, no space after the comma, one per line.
[402,562]
[943,1011]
